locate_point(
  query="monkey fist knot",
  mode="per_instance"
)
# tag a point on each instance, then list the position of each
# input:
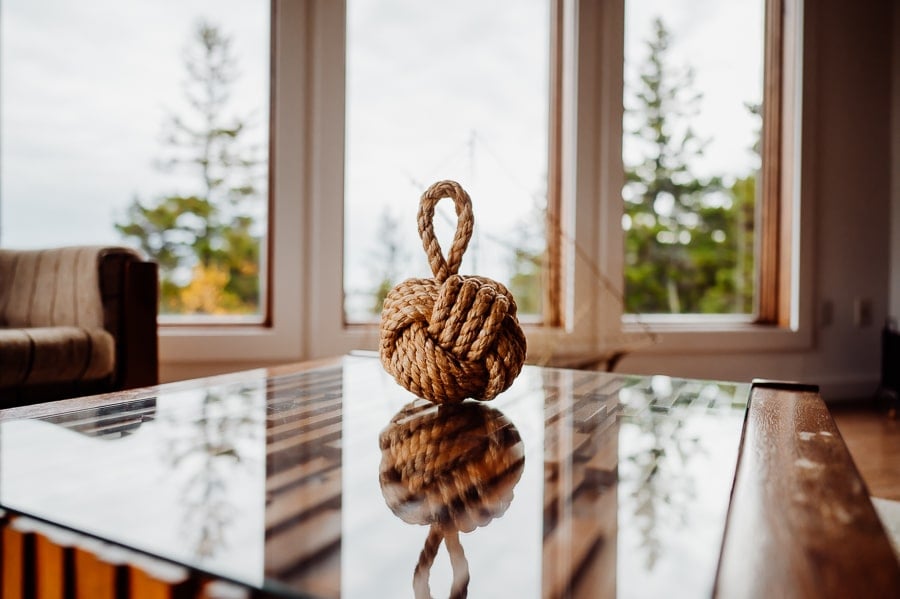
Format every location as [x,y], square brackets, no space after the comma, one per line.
[452,336]
[446,342]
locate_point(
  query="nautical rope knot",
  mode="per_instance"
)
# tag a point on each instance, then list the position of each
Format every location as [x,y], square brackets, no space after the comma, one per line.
[452,336]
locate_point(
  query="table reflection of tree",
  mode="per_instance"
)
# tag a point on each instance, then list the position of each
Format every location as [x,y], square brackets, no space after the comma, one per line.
[656,455]
[205,451]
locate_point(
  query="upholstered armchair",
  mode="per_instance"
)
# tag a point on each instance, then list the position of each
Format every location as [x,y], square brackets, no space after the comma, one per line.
[75,321]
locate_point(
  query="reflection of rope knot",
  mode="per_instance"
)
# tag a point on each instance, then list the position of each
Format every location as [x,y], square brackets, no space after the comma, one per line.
[450,467]
[453,336]
[453,465]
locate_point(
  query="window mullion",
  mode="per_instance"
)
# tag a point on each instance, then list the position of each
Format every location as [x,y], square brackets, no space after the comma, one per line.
[771,284]
[553,280]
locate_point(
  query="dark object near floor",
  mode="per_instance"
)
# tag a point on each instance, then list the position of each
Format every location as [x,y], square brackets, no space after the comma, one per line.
[888,394]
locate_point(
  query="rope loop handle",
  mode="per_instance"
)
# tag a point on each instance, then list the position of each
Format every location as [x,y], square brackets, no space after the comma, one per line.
[458,562]
[441,267]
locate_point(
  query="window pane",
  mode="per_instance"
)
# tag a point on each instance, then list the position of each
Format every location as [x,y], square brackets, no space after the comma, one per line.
[439,90]
[145,124]
[693,94]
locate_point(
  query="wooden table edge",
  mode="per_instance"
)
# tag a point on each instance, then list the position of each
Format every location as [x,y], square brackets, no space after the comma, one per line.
[800,520]
[63,406]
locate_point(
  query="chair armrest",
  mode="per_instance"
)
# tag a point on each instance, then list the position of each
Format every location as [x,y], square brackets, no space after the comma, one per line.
[138,346]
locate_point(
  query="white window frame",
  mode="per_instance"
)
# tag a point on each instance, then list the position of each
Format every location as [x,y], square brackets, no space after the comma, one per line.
[281,338]
[794,331]
[307,162]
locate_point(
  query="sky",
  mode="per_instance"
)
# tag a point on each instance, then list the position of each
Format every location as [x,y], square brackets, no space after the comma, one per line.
[434,91]
[712,37]
[468,103]
[84,90]
[471,104]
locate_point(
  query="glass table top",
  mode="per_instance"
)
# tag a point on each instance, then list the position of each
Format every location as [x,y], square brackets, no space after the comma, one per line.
[336,482]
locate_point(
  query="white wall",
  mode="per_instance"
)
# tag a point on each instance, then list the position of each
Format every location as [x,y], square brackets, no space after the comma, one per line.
[850,46]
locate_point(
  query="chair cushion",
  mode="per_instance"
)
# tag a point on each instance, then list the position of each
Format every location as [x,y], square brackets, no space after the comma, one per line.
[42,355]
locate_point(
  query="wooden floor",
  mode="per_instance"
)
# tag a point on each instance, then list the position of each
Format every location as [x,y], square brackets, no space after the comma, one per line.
[873,438]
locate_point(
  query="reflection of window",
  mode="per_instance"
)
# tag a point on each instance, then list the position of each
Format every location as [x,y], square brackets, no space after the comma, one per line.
[444,91]
[144,125]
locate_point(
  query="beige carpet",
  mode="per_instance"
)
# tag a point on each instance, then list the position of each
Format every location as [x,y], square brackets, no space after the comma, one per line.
[889,511]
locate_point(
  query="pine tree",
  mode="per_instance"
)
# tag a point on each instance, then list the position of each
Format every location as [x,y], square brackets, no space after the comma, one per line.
[675,252]
[528,254]
[206,242]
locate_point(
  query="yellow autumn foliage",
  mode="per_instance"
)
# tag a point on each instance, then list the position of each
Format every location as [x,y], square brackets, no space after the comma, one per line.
[206,293]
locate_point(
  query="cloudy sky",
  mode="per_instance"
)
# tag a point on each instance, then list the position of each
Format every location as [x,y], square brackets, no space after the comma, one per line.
[435,90]
[460,91]
[444,91]
[84,90]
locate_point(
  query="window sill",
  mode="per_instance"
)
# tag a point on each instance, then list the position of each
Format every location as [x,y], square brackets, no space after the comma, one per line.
[717,336]
[221,343]
[662,337]
[549,346]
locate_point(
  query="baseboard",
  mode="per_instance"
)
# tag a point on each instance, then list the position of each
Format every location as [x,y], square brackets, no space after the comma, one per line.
[848,388]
